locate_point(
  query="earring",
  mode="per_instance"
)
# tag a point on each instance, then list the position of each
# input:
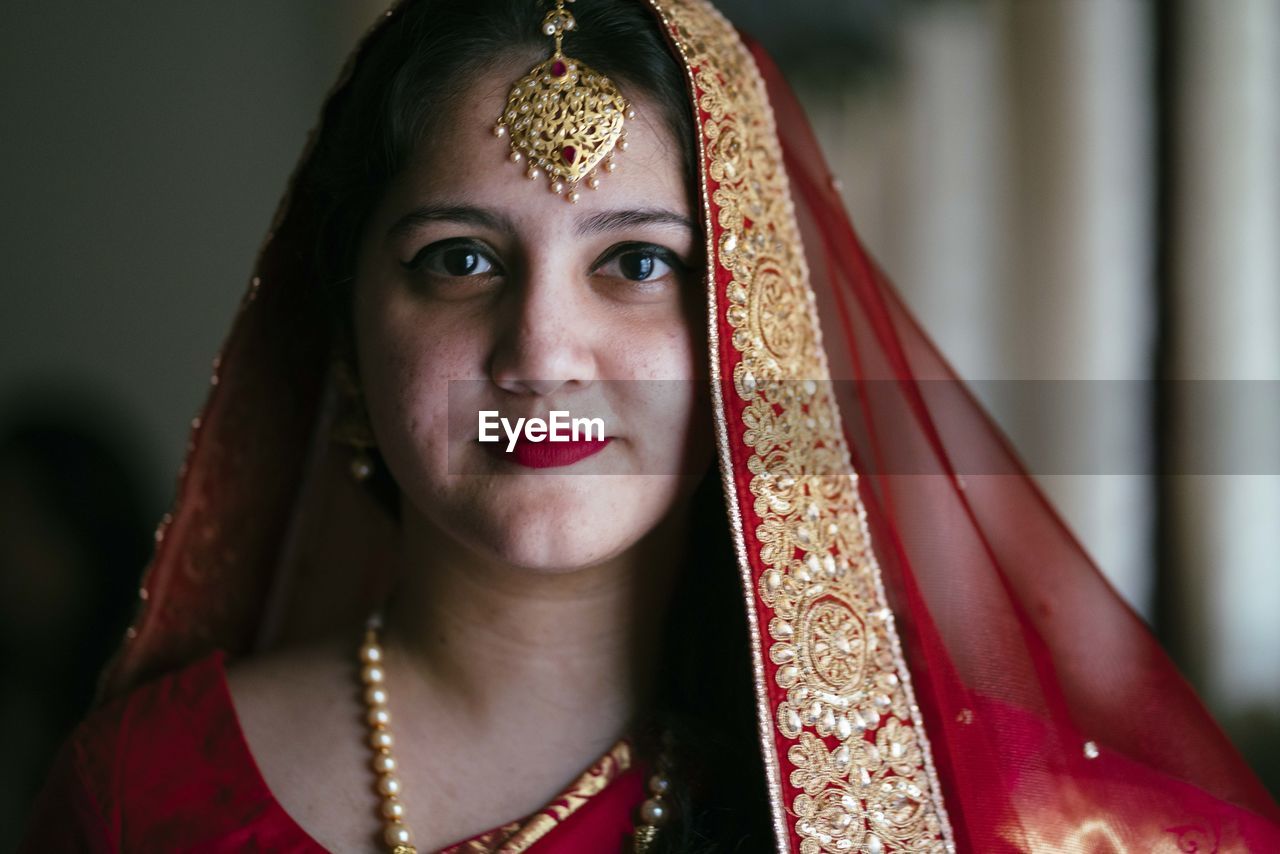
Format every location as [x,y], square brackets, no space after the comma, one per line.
[351,422]
[361,466]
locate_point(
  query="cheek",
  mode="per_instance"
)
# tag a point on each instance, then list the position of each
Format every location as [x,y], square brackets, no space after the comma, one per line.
[668,345]
[667,402]
[407,358]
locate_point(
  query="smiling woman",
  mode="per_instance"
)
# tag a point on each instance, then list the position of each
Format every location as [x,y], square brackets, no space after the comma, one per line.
[470,274]
[766,611]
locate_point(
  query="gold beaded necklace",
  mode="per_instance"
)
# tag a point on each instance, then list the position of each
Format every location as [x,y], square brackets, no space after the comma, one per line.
[652,815]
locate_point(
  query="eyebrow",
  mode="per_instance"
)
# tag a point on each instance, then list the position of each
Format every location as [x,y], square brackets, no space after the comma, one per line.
[493,221]
[464,214]
[615,220]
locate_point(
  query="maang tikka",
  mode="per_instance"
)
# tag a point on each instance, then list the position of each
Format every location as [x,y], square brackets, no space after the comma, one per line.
[564,118]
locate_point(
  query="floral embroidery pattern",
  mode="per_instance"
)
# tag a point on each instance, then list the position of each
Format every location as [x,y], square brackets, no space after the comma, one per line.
[857,759]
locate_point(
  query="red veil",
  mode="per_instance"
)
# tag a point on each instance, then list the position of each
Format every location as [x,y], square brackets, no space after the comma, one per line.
[937,662]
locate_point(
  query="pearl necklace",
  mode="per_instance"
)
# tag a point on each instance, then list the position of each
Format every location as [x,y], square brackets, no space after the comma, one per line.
[653,813]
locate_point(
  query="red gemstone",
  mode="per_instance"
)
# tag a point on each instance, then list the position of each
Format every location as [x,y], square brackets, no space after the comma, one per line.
[558,69]
[569,153]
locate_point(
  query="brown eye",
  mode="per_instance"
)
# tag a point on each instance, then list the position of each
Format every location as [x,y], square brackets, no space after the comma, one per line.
[460,261]
[639,265]
[453,259]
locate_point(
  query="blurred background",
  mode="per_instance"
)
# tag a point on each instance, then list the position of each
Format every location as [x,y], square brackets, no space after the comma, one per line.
[1066,191]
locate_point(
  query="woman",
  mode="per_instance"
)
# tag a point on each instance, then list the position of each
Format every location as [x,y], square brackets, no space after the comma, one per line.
[701,631]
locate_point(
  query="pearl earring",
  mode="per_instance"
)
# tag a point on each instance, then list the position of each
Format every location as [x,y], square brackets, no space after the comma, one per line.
[351,423]
[361,467]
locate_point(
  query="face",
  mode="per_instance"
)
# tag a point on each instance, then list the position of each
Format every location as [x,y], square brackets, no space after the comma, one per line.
[478,289]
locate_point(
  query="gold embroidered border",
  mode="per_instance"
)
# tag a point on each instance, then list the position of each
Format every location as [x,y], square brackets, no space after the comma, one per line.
[855,743]
[519,836]
[764,718]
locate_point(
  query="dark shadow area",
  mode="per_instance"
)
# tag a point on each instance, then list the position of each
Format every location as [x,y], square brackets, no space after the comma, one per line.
[75,516]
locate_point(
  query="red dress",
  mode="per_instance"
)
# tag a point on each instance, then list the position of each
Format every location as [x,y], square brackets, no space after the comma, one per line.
[167,768]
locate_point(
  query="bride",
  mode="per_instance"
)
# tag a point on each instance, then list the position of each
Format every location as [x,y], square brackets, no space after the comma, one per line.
[763,611]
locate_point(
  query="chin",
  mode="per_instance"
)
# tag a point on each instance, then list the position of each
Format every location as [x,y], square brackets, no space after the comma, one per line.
[557,524]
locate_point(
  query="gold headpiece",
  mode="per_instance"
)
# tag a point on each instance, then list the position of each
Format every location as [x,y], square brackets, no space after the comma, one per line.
[564,118]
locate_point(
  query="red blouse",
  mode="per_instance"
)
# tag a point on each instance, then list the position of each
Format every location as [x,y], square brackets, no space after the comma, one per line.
[167,768]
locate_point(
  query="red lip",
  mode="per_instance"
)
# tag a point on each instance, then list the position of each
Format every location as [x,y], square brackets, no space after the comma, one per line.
[547,454]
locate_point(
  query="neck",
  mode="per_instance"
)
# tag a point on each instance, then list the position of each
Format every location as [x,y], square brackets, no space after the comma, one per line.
[562,659]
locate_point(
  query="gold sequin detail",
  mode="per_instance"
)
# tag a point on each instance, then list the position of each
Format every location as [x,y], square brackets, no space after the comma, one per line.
[853,738]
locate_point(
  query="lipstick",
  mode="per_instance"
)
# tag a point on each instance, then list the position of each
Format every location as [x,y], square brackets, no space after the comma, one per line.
[547,454]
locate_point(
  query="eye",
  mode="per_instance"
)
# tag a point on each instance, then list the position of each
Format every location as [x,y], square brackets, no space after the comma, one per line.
[639,263]
[455,258]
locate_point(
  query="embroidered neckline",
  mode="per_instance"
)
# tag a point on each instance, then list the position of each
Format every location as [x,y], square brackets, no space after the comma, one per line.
[513,837]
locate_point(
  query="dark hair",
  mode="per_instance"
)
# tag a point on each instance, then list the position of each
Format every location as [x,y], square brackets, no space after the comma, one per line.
[707,701]
[406,82]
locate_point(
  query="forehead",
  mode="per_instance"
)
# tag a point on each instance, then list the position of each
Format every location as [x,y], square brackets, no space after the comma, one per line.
[463,160]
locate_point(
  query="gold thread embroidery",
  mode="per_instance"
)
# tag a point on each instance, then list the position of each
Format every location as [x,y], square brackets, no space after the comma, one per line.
[592,781]
[518,836]
[858,749]
[777,809]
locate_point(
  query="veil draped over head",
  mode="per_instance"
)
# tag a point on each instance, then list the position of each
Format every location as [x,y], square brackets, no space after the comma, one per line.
[937,664]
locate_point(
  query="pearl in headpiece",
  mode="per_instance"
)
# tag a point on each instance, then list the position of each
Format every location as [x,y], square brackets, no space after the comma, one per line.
[563,118]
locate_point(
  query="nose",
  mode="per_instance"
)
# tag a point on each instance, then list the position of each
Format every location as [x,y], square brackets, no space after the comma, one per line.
[544,344]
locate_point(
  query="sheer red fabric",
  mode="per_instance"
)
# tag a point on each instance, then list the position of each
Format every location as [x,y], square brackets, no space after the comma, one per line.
[1057,721]
[168,769]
